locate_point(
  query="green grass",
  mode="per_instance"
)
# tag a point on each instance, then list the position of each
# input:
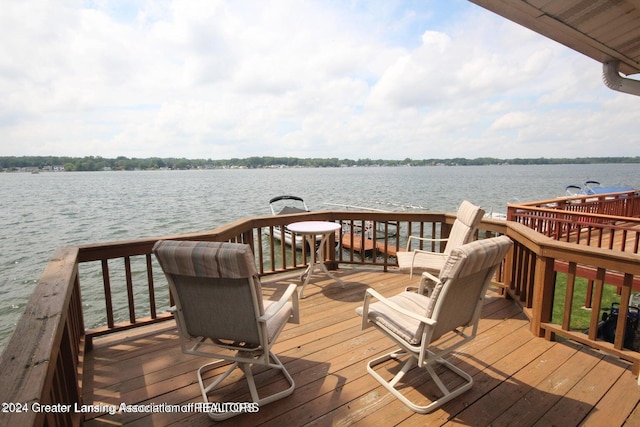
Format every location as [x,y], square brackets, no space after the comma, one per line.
[580,315]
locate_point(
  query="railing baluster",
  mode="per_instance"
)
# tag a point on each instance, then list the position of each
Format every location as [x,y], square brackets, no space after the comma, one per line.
[568,297]
[107,292]
[129,281]
[260,252]
[294,252]
[352,234]
[532,279]
[272,248]
[151,287]
[283,248]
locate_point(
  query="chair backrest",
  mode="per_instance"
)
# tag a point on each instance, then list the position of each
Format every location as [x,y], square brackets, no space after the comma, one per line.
[216,288]
[457,299]
[467,220]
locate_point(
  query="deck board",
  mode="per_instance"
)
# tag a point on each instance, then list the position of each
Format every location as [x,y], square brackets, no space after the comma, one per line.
[517,376]
[355,243]
[625,231]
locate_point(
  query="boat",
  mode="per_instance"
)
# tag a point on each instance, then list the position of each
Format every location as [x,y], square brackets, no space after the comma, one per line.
[495,215]
[594,187]
[590,188]
[281,205]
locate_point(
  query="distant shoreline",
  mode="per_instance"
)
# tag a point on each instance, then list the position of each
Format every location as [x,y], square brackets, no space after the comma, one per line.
[36,164]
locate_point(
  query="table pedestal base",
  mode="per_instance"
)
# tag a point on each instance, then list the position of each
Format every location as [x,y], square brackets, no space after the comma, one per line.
[316,264]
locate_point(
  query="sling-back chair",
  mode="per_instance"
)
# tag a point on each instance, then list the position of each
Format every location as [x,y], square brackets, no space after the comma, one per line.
[221,314]
[467,219]
[416,321]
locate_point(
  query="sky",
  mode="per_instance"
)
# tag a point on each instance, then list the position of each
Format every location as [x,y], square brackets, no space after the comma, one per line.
[215,79]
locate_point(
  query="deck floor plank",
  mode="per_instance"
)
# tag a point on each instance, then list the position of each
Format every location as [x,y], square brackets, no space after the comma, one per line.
[620,402]
[516,375]
[389,412]
[598,238]
[511,378]
[544,394]
[588,391]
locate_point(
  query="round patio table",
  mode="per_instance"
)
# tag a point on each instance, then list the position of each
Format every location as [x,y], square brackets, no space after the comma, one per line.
[309,230]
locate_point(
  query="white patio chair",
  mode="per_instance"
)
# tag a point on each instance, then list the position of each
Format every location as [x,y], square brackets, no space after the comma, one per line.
[220,312]
[416,322]
[467,220]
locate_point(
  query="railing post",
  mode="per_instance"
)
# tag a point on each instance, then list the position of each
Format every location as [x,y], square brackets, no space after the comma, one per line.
[507,275]
[597,303]
[543,290]
[621,327]
[330,253]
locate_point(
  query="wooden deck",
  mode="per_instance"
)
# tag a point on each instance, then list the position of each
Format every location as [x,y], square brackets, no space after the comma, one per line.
[625,236]
[519,379]
[355,243]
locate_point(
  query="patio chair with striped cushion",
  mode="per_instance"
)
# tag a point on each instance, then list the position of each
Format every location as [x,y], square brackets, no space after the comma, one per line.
[416,322]
[467,219]
[220,312]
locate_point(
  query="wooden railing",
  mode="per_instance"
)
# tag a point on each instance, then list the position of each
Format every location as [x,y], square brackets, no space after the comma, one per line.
[604,221]
[40,362]
[123,259]
[532,282]
[594,237]
[39,367]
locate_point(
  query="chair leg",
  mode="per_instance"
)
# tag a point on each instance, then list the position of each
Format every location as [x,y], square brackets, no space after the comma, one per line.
[405,368]
[246,369]
[408,365]
[213,365]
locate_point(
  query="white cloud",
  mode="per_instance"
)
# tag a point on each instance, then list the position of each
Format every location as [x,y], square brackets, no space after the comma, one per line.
[511,120]
[287,78]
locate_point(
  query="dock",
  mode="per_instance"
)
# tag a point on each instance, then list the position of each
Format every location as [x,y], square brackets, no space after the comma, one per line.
[371,248]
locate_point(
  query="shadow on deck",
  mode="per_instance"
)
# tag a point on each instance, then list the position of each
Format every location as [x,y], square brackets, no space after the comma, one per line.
[518,378]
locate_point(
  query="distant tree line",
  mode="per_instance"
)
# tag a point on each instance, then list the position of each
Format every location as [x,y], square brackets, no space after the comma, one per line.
[97,163]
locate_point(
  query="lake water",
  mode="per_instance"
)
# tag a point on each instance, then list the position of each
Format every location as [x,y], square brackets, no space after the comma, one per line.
[44,211]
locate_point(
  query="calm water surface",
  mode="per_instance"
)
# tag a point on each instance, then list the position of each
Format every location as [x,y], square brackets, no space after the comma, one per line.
[48,210]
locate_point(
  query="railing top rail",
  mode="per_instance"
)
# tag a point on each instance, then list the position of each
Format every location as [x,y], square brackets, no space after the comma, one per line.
[96,251]
[588,255]
[592,198]
[522,211]
[622,206]
[25,363]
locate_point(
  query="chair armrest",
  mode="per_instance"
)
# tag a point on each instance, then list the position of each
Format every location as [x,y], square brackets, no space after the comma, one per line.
[427,283]
[422,251]
[424,239]
[373,294]
[275,308]
[182,331]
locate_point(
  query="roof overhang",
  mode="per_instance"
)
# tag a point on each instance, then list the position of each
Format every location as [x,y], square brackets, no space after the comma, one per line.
[604,30]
